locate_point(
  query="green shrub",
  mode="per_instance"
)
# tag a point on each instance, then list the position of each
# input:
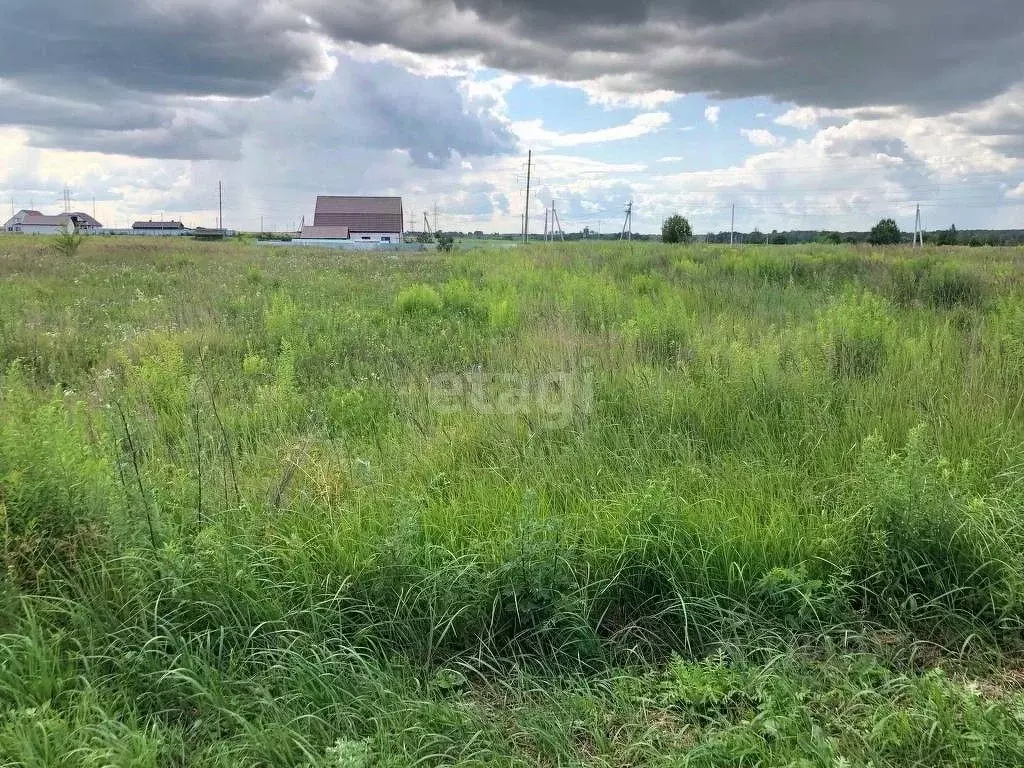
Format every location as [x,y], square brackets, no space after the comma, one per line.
[802,602]
[67,243]
[419,299]
[708,689]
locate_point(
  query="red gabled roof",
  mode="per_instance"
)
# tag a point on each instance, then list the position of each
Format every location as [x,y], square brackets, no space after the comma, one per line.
[359,214]
[42,220]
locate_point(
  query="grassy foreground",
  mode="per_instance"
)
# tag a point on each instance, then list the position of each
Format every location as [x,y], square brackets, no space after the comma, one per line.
[566,505]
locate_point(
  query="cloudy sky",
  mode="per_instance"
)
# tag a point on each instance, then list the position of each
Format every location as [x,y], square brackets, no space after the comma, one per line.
[804,114]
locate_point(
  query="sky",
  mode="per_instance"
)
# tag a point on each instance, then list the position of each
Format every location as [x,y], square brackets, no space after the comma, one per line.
[798,114]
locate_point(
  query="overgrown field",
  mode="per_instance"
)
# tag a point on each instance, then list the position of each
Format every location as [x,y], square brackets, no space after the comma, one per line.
[570,505]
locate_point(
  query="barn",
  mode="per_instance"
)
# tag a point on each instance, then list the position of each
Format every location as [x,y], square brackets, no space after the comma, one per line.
[36,223]
[158,228]
[359,219]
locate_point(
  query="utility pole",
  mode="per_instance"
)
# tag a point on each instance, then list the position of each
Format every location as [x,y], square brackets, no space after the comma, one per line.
[918,231]
[526,215]
[435,217]
[261,223]
[732,226]
[426,223]
[627,225]
[94,206]
[220,205]
[545,225]
[554,221]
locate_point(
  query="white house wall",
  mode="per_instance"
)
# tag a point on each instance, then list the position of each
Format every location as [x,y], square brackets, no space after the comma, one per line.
[41,229]
[375,237]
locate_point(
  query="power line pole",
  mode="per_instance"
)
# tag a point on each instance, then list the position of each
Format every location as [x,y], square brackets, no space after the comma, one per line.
[435,217]
[732,226]
[545,225]
[261,223]
[526,215]
[220,205]
[627,225]
[918,231]
[555,220]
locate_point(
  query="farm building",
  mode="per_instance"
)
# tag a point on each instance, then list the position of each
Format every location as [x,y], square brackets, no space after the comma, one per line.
[359,219]
[158,228]
[36,223]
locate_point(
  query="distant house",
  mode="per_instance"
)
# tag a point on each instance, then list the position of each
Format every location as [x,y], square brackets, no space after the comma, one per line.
[202,233]
[359,219]
[158,228]
[36,223]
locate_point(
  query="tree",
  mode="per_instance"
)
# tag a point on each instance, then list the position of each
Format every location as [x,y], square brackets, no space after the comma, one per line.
[947,236]
[885,232]
[67,242]
[445,242]
[676,229]
[831,238]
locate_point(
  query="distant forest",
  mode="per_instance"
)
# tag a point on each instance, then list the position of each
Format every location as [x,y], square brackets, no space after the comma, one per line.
[951,236]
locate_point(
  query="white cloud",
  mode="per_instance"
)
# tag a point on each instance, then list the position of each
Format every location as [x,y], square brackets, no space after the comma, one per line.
[760,137]
[610,99]
[800,117]
[534,133]
[711,114]
[671,159]
[1017,192]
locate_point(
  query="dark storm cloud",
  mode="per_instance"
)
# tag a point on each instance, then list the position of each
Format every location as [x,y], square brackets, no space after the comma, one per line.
[175,80]
[141,126]
[928,54]
[225,47]
[136,76]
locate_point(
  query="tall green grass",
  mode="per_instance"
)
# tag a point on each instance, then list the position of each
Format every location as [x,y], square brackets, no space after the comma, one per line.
[235,530]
